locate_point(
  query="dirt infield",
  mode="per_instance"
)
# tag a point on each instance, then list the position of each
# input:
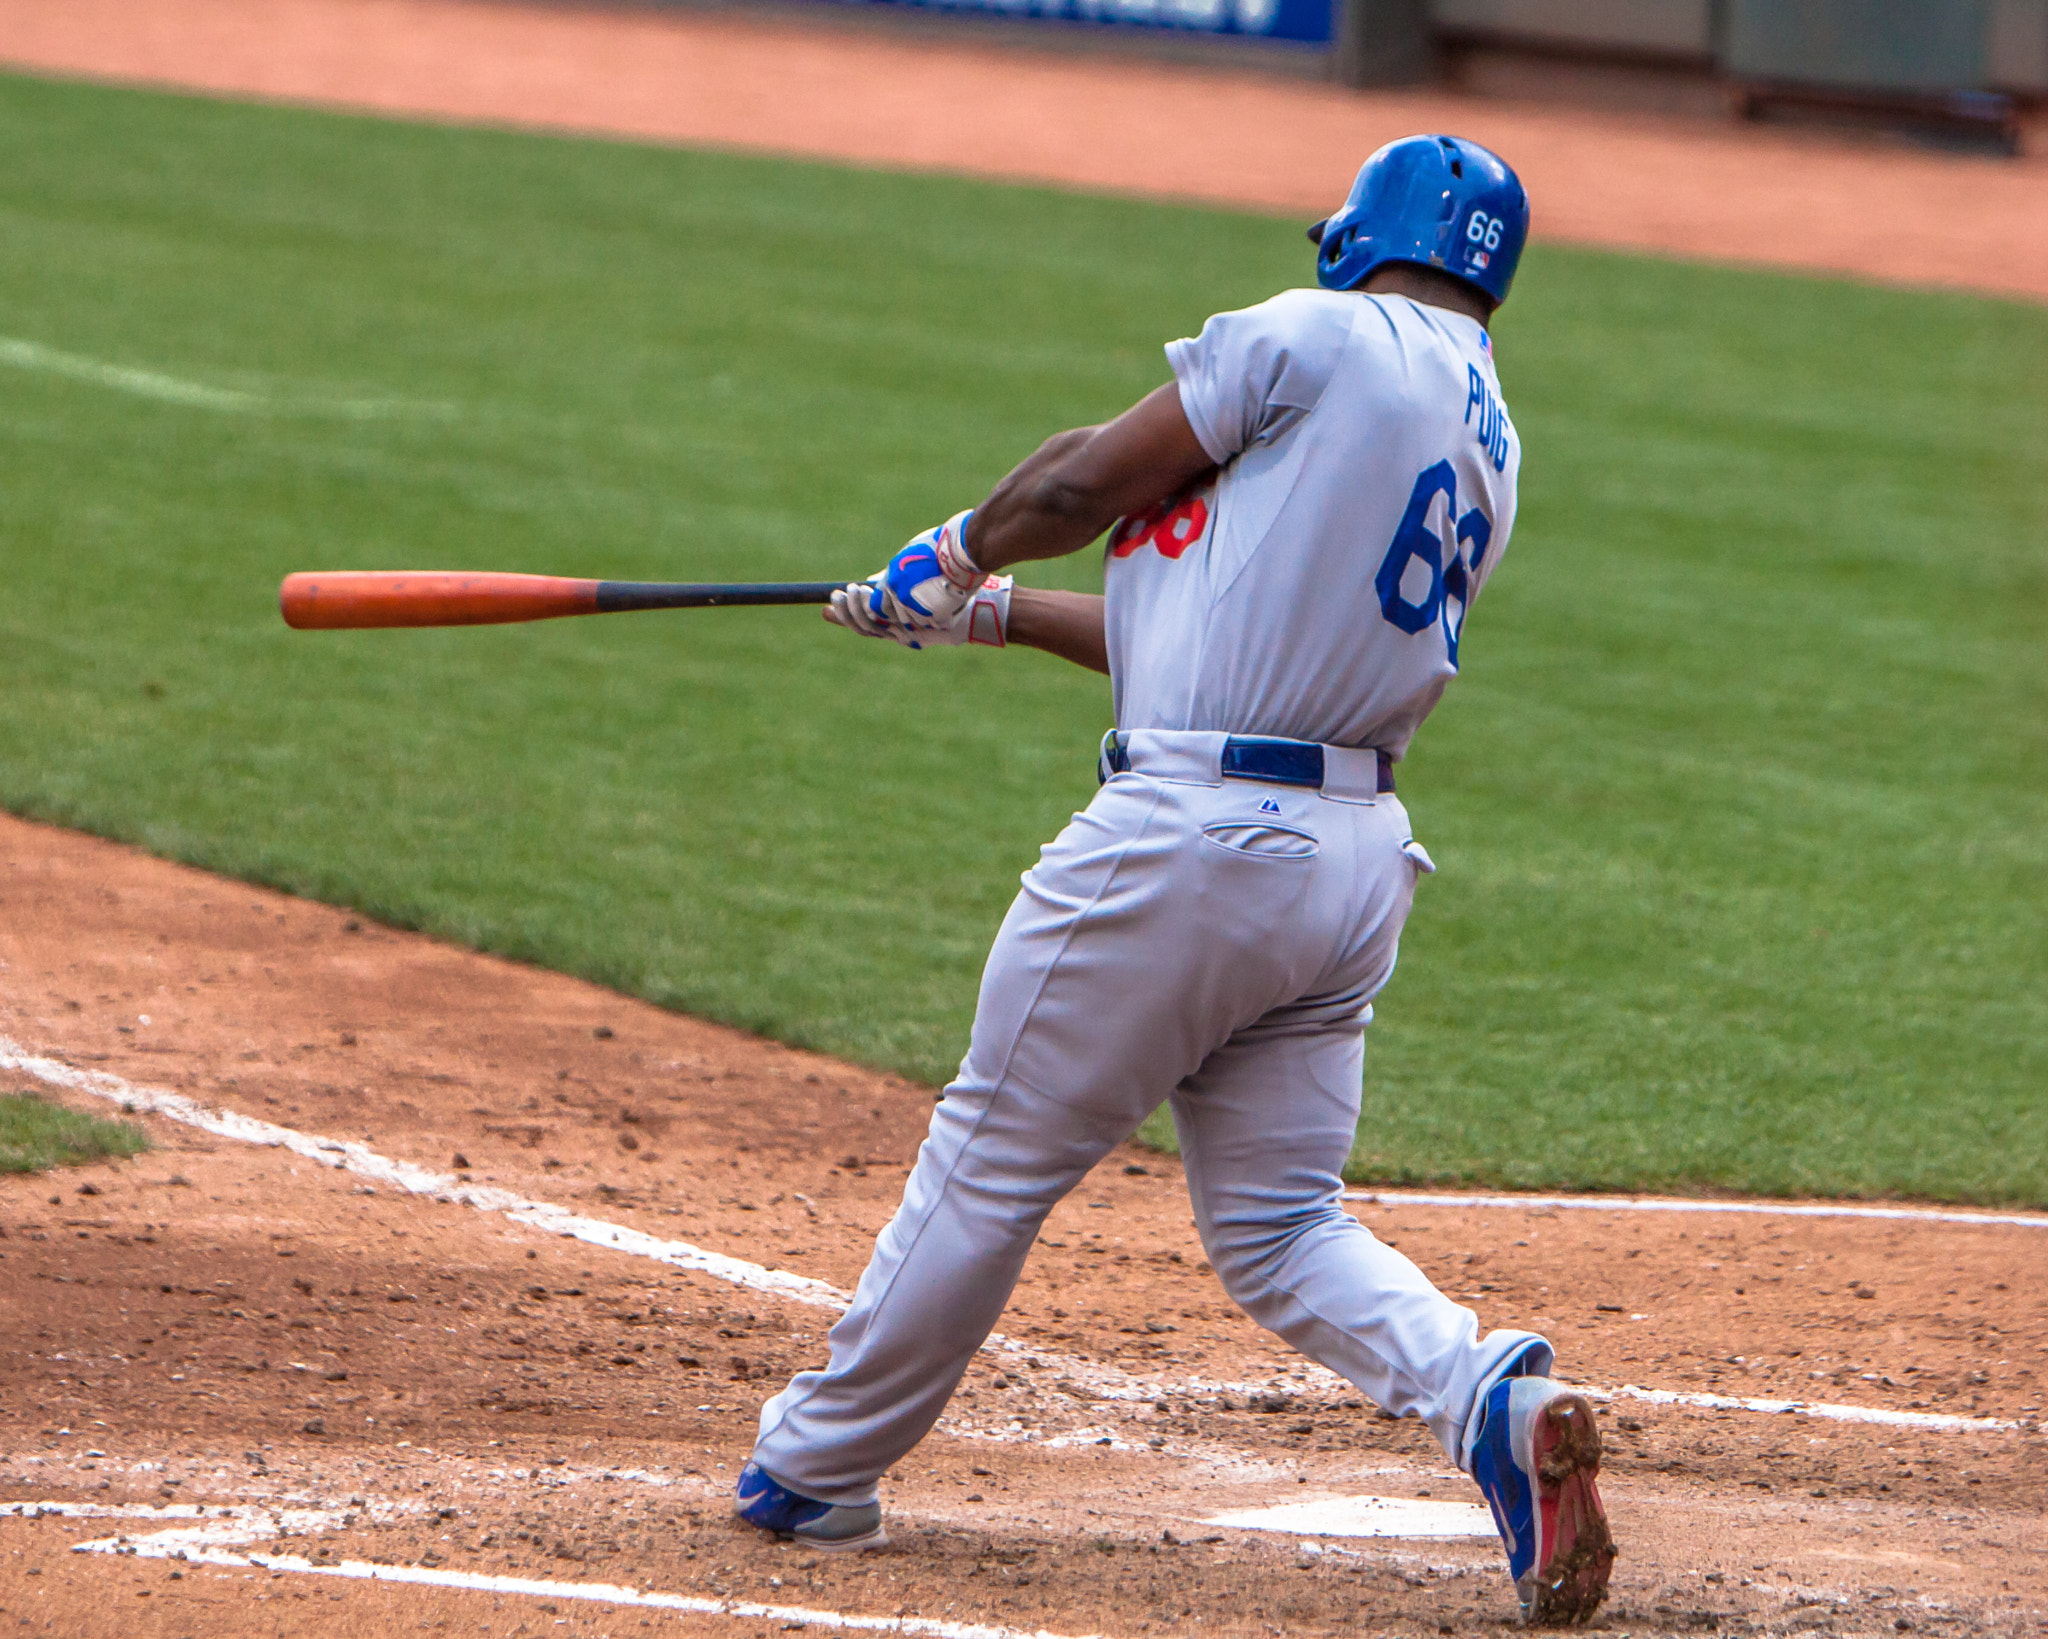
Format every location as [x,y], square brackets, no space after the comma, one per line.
[383,1375]
[1690,188]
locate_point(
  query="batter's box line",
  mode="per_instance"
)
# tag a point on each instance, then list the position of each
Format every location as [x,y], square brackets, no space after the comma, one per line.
[1108,1381]
[187,1526]
[182,1546]
[1664,1203]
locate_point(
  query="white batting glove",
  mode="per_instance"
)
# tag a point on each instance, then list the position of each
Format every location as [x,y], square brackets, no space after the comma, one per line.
[984,618]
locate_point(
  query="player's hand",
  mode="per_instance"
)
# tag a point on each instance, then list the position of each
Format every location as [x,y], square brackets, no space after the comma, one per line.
[851,607]
[983,618]
[930,580]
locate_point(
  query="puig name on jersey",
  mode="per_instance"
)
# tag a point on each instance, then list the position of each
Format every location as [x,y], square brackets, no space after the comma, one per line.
[1492,430]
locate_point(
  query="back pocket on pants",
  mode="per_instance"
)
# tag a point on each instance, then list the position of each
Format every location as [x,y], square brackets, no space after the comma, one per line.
[1259,840]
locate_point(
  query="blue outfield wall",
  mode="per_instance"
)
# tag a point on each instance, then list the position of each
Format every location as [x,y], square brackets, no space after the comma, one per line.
[1304,22]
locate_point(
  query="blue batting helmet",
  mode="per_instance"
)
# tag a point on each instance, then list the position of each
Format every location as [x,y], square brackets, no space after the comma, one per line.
[1439,202]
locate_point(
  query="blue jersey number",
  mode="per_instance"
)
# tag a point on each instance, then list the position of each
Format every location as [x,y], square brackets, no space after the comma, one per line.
[1449,566]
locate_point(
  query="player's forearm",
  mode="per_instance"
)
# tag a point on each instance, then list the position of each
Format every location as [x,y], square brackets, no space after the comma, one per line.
[1079,483]
[1038,511]
[1068,624]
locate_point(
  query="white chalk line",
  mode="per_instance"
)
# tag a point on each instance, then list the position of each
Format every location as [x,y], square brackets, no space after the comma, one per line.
[1405,1518]
[165,389]
[366,1163]
[192,1526]
[1933,1421]
[1658,1203]
[611,1594]
[247,1520]
[1106,1382]
[187,1544]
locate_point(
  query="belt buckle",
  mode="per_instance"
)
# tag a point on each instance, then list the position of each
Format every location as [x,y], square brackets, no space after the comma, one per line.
[1275,761]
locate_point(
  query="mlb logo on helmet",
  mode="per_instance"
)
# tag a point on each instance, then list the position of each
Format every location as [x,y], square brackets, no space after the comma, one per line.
[1436,201]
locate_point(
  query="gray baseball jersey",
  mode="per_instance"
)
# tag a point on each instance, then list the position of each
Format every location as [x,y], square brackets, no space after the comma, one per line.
[1316,587]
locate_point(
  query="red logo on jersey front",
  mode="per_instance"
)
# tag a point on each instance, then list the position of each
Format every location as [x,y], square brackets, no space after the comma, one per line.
[1173,527]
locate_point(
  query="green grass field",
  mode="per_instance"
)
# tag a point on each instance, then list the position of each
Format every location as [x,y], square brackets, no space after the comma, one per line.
[1742,803]
[36,1135]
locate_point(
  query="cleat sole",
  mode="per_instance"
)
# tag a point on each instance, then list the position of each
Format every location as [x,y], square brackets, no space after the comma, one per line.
[1569,1586]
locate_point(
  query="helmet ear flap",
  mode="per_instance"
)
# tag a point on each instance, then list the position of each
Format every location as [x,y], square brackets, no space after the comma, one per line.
[1330,247]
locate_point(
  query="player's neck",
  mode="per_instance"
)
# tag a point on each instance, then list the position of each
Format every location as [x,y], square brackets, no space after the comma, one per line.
[1431,288]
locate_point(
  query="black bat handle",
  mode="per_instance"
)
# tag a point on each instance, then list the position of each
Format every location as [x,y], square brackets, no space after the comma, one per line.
[616,595]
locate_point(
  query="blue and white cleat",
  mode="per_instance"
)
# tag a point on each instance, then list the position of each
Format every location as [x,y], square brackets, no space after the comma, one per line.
[830,1527]
[1536,1461]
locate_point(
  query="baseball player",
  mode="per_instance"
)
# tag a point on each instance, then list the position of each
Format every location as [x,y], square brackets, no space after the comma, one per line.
[1302,519]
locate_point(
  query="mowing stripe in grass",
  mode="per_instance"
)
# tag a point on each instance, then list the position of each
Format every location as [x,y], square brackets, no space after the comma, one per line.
[166,389]
[28,355]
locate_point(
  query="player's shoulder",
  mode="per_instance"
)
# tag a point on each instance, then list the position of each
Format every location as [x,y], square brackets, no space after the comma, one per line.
[1309,315]
[1299,337]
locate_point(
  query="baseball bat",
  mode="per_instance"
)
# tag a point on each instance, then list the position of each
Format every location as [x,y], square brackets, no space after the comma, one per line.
[358,599]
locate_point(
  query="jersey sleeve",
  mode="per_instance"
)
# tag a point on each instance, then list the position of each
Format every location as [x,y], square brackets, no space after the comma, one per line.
[1253,373]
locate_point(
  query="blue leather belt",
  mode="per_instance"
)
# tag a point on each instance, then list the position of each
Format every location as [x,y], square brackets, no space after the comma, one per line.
[1277,762]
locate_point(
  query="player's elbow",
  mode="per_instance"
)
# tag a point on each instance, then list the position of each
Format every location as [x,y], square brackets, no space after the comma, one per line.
[1065,498]
[1072,489]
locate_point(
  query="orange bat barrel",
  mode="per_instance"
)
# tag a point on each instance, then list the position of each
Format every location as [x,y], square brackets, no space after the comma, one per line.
[354,599]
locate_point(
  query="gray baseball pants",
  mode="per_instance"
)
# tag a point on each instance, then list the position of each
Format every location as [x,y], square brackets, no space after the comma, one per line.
[1213,943]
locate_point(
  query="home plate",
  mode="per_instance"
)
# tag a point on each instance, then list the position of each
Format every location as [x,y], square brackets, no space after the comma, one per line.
[1364,1517]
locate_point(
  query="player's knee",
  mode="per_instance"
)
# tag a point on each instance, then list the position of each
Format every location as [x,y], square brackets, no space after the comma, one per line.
[1252,1256]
